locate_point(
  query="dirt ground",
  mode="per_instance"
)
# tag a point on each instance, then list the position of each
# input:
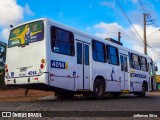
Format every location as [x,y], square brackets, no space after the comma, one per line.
[17,95]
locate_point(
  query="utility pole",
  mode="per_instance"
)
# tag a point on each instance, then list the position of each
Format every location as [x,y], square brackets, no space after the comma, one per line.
[119,36]
[145,40]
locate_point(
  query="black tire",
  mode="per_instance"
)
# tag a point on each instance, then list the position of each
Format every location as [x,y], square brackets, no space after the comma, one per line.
[64,95]
[143,91]
[98,89]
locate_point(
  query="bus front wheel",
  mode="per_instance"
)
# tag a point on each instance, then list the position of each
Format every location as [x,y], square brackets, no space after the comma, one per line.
[143,91]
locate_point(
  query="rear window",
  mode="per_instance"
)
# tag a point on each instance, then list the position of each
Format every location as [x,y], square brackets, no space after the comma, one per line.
[25,34]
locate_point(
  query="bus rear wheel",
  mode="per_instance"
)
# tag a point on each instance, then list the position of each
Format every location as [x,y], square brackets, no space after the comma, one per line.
[98,89]
[143,91]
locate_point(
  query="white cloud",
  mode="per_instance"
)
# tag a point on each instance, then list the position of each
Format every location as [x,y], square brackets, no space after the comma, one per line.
[107,30]
[27,10]
[11,14]
[10,11]
[130,38]
[5,33]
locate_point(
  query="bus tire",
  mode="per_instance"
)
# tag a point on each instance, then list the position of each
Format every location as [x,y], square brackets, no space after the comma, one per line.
[98,89]
[143,91]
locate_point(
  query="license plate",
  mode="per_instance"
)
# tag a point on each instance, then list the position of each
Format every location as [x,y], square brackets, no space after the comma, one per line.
[22,74]
[23,69]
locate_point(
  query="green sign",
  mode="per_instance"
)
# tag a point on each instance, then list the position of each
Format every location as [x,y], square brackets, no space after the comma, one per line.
[159,87]
[25,34]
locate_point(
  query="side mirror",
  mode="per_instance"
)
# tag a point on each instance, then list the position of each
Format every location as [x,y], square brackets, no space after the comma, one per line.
[156,68]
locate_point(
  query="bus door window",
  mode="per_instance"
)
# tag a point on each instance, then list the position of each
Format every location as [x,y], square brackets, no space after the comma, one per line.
[124,73]
[125,64]
[83,68]
[79,53]
[86,52]
[122,63]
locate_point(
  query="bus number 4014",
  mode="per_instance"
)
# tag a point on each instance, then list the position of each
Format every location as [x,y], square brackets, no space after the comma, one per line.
[32,72]
[57,64]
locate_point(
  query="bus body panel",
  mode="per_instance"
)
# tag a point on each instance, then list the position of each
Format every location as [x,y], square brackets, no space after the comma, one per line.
[24,63]
[83,62]
[113,82]
[137,77]
[64,72]
[124,70]
[61,67]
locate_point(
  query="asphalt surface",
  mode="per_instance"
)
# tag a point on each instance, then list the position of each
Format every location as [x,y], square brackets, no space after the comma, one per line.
[124,103]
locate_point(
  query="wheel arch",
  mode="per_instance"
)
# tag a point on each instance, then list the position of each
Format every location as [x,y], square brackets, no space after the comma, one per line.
[145,84]
[101,78]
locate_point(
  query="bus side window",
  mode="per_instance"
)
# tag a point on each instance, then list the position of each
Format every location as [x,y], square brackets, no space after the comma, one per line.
[135,61]
[107,55]
[144,64]
[98,51]
[113,55]
[62,41]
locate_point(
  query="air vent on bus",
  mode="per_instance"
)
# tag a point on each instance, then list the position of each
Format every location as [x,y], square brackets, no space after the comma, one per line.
[114,41]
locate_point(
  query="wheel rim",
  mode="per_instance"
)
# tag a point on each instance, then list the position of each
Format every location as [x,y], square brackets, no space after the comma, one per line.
[143,91]
[98,89]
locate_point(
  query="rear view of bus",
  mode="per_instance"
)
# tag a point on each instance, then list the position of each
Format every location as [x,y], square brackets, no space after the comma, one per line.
[25,62]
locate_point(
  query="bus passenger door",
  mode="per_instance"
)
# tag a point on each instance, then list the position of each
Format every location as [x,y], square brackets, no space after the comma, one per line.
[124,72]
[83,67]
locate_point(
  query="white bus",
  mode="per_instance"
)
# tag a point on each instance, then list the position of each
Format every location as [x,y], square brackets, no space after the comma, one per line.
[46,55]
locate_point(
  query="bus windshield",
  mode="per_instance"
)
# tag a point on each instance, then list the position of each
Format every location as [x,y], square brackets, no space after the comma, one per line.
[25,34]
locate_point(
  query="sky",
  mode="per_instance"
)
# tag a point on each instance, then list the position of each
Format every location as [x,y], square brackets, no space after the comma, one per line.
[101,18]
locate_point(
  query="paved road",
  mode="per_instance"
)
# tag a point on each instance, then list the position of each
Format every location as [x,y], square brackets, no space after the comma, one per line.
[124,103]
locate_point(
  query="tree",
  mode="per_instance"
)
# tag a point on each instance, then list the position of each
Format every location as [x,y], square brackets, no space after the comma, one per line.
[2,62]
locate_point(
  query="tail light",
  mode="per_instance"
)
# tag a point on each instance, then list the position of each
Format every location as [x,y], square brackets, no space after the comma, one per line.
[6,68]
[42,63]
[41,66]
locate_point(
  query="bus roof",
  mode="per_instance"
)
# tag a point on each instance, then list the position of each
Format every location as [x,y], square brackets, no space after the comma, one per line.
[84,34]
